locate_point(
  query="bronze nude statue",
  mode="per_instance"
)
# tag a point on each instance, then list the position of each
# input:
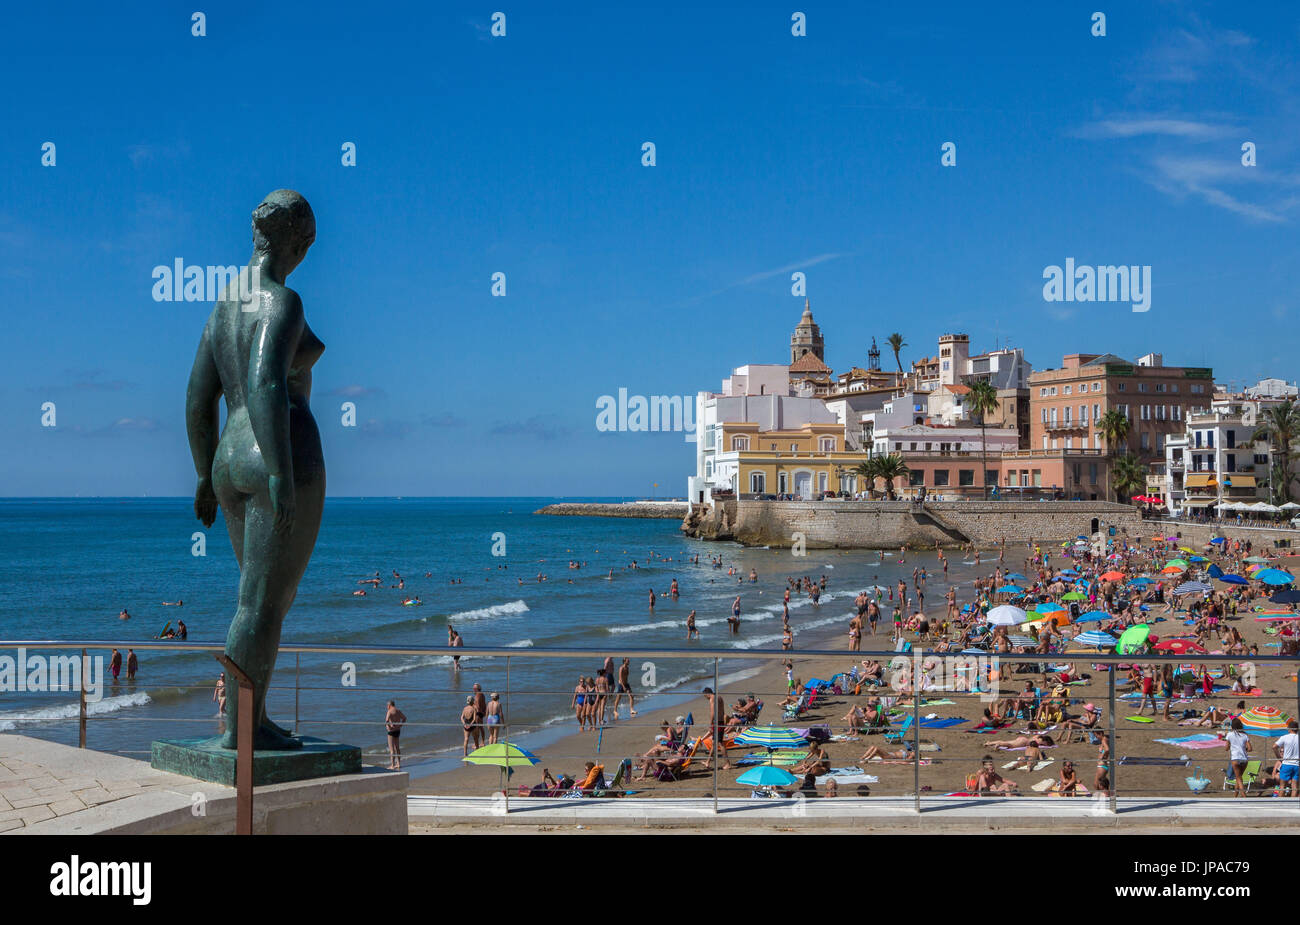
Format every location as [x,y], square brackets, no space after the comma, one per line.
[266,470]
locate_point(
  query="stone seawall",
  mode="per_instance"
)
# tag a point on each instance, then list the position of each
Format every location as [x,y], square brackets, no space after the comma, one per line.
[891,524]
[1195,535]
[665,510]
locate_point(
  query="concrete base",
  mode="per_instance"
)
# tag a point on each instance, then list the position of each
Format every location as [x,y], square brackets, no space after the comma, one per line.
[203,759]
[60,790]
[893,814]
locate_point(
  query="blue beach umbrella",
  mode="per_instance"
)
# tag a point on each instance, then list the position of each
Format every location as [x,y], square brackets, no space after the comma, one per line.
[1010,589]
[1274,576]
[766,775]
[1232,580]
[1017,576]
[1092,616]
[1141,581]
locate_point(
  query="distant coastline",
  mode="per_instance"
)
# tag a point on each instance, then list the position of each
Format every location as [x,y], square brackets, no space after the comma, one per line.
[662,510]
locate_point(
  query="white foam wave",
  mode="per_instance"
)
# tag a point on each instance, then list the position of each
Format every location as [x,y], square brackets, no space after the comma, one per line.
[484,613]
[13,718]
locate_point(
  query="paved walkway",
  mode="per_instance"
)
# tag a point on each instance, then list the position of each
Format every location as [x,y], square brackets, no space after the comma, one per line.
[894,813]
[42,781]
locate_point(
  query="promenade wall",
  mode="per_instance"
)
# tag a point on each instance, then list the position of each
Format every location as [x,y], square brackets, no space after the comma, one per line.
[891,524]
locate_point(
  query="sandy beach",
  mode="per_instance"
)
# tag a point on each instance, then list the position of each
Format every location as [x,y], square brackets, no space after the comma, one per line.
[949,754]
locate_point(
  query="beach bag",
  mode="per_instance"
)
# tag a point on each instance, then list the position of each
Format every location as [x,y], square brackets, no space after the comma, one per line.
[1196,783]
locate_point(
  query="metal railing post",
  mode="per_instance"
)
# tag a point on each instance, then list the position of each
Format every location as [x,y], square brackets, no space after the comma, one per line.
[297,671]
[505,734]
[244,748]
[1112,745]
[81,722]
[717,733]
[917,656]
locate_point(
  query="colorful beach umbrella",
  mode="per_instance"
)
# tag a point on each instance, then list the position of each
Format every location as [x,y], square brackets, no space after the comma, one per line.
[1095,638]
[770,736]
[1178,646]
[1191,587]
[502,755]
[1274,576]
[1181,563]
[1112,575]
[1133,638]
[1264,721]
[766,775]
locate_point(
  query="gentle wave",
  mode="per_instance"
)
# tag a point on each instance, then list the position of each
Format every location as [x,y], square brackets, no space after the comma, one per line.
[483,613]
[12,719]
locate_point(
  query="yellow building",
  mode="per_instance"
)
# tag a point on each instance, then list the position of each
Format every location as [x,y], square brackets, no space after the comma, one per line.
[804,463]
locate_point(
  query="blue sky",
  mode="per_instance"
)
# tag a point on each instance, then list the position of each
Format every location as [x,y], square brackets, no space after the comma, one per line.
[522,155]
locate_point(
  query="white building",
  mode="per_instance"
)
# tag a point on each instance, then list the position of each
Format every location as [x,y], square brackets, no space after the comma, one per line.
[1006,368]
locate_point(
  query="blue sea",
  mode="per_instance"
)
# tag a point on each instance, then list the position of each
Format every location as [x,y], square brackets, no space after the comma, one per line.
[68,566]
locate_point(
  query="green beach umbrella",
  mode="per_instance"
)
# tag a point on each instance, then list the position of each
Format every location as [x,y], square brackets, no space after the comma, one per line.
[1134,637]
[1177,563]
[503,755]
[1074,596]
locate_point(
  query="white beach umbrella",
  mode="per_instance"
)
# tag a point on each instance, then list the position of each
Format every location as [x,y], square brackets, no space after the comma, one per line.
[1006,615]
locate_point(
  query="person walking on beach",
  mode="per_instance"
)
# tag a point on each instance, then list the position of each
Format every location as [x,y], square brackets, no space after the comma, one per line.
[469,723]
[625,686]
[132,664]
[115,664]
[1288,749]
[219,693]
[717,723]
[579,703]
[690,627]
[495,718]
[480,706]
[1238,747]
[393,720]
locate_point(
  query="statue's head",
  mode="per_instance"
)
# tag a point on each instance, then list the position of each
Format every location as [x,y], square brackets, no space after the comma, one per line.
[285,227]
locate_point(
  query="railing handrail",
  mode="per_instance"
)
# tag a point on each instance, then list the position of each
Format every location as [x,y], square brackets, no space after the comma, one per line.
[601,653]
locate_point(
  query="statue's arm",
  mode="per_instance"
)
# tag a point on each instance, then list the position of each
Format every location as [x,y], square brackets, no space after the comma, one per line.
[202,416]
[273,350]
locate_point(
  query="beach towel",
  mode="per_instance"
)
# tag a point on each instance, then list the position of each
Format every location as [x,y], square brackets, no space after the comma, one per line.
[1044,785]
[942,723]
[1139,719]
[852,776]
[1201,740]
[1037,767]
[1156,762]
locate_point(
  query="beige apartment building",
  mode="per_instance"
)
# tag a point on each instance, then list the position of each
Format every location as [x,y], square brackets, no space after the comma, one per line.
[1067,403]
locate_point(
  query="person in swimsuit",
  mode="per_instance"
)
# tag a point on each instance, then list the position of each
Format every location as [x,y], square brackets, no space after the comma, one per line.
[579,704]
[455,641]
[132,664]
[469,723]
[625,687]
[690,626]
[393,719]
[219,693]
[115,664]
[494,719]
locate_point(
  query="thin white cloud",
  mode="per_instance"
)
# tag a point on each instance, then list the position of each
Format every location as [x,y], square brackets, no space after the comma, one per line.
[1178,128]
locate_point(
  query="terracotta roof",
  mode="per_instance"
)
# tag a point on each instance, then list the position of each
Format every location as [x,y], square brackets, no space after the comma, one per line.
[958,389]
[808,363]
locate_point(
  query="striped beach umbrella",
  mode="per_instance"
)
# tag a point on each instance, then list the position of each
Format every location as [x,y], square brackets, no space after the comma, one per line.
[1006,615]
[1264,721]
[770,736]
[1191,587]
[1095,638]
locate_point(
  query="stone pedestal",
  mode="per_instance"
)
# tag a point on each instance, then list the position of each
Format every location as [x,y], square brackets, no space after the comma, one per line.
[202,759]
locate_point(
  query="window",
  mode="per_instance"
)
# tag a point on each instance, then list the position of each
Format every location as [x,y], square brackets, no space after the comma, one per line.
[1053,417]
[1231,436]
[1044,441]
[1232,462]
[1174,388]
[1096,386]
[1120,386]
[1052,391]
[1142,386]
[1092,473]
[757,483]
[1160,386]
[965,476]
[1044,410]
[1209,439]
[1083,415]
[940,478]
[1196,439]
[916,477]
[821,481]
[828,444]
[1042,393]
[740,443]
[1069,443]
[1038,478]
[794,448]
[782,482]
[1144,440]
[1066,390]
[708,467]
[1067,414]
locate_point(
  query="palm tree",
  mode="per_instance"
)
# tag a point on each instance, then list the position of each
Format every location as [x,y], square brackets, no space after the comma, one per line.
[1280,426]
[896,343]
[981,402]
[867,471]
[1129,474]
[1114,428]
[889,468]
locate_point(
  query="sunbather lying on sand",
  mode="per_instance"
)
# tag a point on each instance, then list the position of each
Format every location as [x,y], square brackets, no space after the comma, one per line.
[1023,741]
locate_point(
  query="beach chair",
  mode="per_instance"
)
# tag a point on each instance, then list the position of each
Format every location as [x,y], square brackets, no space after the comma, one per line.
[1248,776]
[615,788]
[793,711]
[900,733]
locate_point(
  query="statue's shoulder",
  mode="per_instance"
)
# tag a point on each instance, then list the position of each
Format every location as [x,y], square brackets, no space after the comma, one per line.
[283,305]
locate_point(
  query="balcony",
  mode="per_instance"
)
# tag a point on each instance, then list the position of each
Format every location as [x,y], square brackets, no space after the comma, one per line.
[1065,425]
